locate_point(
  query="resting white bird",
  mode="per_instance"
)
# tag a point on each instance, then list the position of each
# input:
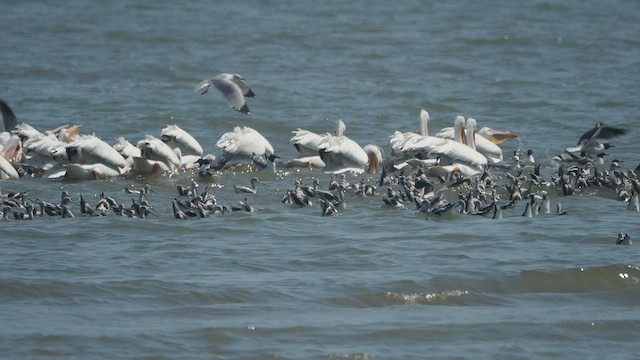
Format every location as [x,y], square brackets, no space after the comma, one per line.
[175,136]
[462,152]
[233,87]
[489,149]
[401,142]
[244,144]
[307,143]
[341,154]
[155,149]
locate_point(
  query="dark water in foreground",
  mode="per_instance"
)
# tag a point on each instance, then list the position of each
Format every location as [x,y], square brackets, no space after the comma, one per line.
[284,282]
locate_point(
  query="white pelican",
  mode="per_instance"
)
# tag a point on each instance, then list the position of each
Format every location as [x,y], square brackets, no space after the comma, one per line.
[174,136]
[486,147]
[243,144]
[341,154]
[421,146]
[36,148]
[89,149]
[497,136]
[234,89]
[400,142]
[452,152]
[155,149]
[307,143]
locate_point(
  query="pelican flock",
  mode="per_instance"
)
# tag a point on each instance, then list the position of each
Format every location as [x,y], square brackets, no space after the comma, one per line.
[457,170]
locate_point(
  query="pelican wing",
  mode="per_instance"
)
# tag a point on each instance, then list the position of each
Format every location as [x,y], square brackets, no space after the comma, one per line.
[40,145]
[342,152]
[306,142]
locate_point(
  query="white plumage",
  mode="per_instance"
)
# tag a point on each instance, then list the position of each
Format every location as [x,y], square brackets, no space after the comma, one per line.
[175,136]
[233,87]
[89,149]
[341,154]
[490,150]
[153,148]
[245,144]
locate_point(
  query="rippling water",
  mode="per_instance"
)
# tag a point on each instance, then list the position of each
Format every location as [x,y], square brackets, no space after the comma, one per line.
[285,282]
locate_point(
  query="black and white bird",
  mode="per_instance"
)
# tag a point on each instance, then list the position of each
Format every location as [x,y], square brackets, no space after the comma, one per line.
[590,144]
[623,239]
[233,87]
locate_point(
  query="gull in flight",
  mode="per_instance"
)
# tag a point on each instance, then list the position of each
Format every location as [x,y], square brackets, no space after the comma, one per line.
[234,89]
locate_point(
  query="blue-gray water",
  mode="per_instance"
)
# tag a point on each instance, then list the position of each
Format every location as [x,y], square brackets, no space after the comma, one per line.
[284,282]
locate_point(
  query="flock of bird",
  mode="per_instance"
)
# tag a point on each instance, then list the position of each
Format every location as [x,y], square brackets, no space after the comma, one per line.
[461,169]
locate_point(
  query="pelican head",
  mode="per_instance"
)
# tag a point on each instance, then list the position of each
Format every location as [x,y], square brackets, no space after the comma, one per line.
[423,121]
[497,136]
[374,154]
[341,128]
[458,129]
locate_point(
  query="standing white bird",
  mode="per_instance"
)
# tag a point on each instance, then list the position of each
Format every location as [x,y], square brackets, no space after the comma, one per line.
[244,144]
[233,87]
